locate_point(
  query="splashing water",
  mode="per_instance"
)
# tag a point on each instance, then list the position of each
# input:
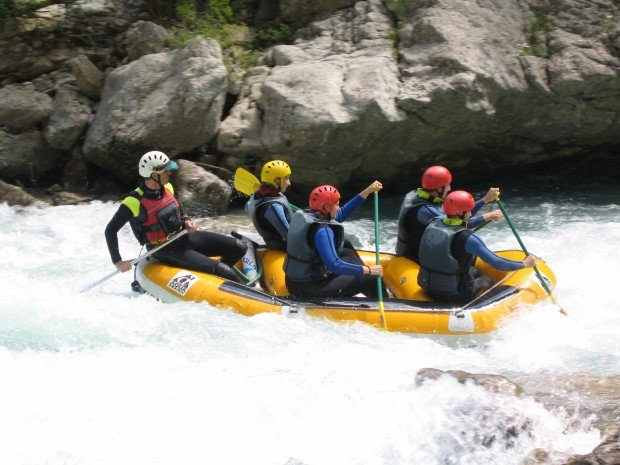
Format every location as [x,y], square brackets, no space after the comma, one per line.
[110,376]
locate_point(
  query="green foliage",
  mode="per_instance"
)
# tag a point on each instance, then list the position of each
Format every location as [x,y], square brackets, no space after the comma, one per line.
[214,24]
[393,35]
[223,20]
[159,9]
[27,8]
[537,34]
[277,34]
[12,9]
[219,20]
[400,7]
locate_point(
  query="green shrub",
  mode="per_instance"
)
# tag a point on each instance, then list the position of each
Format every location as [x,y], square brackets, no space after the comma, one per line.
[537,34]
[11,9]
[223,20]
[276,34]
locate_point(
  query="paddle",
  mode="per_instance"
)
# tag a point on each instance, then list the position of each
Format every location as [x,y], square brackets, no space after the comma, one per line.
[246,183]
[471,302]
[543,283]
[378,260]
[135,260]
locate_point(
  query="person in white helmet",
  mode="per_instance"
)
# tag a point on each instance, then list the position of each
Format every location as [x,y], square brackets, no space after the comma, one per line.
[154,214]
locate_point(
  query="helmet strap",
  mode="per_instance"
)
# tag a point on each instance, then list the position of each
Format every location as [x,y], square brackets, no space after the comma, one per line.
[426,195]
[455,221]
[157,178]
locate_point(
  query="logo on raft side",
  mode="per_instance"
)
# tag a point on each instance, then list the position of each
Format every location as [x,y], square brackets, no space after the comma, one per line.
[182,282]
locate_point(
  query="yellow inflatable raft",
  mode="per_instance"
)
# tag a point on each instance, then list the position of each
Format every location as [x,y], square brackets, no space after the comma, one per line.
[410,310]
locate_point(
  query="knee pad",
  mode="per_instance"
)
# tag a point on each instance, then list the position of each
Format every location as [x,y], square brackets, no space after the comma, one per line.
[242,245]
[226,272]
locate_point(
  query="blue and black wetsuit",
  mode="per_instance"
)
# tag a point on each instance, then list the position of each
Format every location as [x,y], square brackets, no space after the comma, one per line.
[418,209]
[271,215]
[319,264]
[448,251]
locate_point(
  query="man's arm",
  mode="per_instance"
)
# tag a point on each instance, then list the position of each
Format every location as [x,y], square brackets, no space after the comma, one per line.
[120,218]
[475,246]
[324,241]
[274,213]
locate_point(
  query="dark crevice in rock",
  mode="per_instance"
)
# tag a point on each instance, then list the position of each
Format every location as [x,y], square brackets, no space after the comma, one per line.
[229,103]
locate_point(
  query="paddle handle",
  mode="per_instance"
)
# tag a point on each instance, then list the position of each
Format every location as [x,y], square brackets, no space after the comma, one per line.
[378,262]
[135,261]
[543,283]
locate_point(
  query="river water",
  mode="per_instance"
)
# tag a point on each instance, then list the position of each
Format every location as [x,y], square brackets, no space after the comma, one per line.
[112,377]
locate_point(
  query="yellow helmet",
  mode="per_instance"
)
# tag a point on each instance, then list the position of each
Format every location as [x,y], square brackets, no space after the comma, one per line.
[274,169]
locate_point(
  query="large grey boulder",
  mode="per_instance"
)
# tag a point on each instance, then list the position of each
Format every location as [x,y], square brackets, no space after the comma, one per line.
[26,155]
[70,116]
[200,191]
[480,86]
[145,37]
[324,100]
[22,107]
[88,78]
[167,101]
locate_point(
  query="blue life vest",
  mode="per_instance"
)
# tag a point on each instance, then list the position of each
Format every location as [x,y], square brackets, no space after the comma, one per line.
[256,208]
[444,263]
[303,263]
[408,241]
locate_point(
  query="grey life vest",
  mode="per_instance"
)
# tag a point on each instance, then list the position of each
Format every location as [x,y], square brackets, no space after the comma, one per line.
[408,241]
[303,263]
[444,263]
[255,206]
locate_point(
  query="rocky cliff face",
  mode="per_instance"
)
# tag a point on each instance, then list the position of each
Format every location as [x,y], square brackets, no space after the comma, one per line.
[369,89]
[380,90]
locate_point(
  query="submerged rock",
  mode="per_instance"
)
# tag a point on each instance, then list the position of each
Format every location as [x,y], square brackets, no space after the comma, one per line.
[606,453]
[16,196]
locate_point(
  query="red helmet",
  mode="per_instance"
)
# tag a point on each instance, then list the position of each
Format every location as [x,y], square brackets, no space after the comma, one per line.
[458,202]
[436,177]
[323,195]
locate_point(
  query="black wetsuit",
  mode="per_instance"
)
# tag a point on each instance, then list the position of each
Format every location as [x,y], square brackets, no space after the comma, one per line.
[192,251]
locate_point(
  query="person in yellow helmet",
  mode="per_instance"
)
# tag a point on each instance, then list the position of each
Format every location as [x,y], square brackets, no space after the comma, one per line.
[269,208]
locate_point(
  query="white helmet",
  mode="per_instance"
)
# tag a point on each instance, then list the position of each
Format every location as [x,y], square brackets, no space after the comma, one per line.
[155,162]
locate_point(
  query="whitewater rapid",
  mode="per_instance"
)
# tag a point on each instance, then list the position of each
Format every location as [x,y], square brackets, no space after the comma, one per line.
[113,377]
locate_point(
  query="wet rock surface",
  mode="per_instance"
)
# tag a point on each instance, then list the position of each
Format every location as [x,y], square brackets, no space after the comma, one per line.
[366,90]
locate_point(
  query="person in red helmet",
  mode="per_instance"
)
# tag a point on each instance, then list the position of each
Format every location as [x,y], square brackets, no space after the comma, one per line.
[318,264]
[448,250]
[422,205]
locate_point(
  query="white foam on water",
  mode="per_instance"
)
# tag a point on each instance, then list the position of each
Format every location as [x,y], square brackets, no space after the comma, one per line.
[109,376]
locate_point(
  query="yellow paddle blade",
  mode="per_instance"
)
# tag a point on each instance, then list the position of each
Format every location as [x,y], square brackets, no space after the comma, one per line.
[246,182]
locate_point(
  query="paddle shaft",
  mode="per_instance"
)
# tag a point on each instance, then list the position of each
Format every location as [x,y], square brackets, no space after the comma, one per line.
[378,260]
[470,303]
[135,260]
[543,283]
